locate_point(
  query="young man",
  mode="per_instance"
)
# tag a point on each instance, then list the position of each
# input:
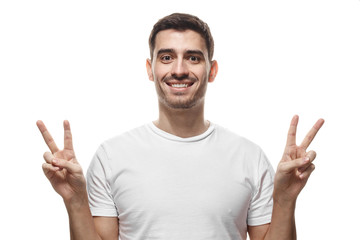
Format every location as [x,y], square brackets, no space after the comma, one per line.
[181,176]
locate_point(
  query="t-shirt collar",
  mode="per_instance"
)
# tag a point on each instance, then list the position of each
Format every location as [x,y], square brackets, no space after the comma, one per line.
[172,137]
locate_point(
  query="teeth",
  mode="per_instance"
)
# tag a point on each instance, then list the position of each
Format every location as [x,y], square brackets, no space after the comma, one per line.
[179,85]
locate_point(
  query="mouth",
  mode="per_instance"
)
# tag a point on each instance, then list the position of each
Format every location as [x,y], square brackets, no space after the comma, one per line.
[180,85]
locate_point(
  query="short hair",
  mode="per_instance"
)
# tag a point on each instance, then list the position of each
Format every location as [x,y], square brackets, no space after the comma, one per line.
[182,22]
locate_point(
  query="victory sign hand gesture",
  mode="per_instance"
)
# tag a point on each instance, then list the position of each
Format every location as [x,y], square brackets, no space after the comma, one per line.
[296,164]
[61,167]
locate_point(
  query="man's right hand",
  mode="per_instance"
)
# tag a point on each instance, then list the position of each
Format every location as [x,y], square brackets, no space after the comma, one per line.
[61,167]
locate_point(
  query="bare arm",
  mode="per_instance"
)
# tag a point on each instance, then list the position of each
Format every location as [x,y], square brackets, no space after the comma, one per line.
[84,226]
[258,232]
[282,225]
[107,227]
[66,176]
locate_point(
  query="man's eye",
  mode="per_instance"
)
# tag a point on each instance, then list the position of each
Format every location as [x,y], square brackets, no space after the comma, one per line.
[166,58]
[194,59]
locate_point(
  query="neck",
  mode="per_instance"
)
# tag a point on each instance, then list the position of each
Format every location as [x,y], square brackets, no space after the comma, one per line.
[182,122]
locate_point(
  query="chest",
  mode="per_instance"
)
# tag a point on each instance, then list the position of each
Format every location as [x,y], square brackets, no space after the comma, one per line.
[181,185]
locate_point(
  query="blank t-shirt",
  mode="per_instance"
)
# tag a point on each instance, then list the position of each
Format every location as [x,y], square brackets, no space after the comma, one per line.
[164,187]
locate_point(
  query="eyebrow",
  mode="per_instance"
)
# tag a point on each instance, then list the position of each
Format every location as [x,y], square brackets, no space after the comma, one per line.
[195,52]
[171,50]
[165,50]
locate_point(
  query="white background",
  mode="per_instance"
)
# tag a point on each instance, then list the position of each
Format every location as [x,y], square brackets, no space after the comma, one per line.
[85,61]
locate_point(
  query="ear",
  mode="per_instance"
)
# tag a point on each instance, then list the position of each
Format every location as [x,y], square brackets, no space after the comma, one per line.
[213,71]
[149,70]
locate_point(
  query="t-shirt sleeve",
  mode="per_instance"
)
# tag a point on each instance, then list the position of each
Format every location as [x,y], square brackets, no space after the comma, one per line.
[98,187]
[260,209]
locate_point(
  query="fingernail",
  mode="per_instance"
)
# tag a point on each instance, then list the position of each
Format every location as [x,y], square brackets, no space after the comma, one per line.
[55,160]
[306,159]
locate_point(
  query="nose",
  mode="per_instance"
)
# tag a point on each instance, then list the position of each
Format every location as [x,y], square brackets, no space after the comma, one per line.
[179,69]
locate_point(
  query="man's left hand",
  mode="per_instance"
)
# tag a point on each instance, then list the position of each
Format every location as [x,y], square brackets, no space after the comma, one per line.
[296,164]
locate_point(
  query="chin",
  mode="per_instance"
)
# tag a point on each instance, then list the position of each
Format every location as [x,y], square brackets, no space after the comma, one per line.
[178,105]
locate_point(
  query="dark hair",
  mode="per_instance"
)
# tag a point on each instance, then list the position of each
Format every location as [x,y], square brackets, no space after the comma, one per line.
[182,22]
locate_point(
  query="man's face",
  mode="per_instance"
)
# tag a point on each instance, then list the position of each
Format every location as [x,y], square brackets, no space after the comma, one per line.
[180,68]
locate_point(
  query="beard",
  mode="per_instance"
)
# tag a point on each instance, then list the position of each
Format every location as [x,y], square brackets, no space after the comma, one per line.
[179,100]
[178,103]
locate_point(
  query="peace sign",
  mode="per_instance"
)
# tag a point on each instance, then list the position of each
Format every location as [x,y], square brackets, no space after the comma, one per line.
[296,164]
[61,167]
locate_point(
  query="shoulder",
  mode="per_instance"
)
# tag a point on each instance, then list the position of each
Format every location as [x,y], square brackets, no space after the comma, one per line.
[237,145]
[118,146]
[231,138]
[128,142]
[134,135]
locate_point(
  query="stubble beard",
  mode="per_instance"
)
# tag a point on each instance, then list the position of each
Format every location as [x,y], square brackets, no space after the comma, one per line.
[180,103]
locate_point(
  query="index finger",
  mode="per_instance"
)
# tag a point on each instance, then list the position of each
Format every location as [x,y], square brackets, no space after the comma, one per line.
[47,137]
[311,134]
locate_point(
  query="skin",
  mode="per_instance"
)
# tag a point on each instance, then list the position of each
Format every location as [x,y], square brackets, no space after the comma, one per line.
[66,177]
[179,56]
[292,174]
[186,57]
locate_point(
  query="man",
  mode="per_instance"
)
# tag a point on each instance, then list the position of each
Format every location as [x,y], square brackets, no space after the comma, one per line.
[181,176]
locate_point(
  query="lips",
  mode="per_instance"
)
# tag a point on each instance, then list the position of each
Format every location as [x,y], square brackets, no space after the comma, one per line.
[180,84]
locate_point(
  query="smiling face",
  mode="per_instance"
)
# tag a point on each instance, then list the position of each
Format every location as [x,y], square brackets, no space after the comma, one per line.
[180,68]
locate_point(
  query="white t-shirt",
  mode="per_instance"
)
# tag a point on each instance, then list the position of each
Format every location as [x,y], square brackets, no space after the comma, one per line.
[164,187]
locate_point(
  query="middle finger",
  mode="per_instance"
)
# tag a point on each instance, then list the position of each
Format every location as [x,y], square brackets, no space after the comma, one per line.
[311,134]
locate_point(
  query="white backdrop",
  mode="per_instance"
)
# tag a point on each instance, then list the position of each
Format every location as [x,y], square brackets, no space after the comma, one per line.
[85,61]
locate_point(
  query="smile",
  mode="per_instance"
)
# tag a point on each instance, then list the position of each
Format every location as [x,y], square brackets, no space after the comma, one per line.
[180,85]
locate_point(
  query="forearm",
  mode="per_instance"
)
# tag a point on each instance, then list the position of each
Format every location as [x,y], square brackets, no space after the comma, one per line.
[282,225]
[80,220]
